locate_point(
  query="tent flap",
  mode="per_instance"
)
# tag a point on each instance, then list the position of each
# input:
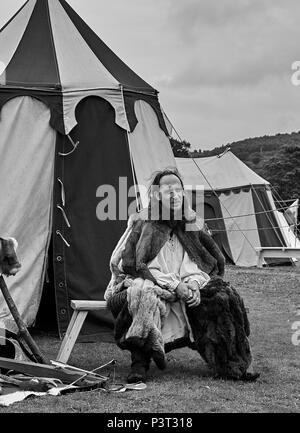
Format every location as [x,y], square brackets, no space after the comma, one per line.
[52,100]
[130,99]
[81,270]
[26,178]
[242,231]
[149,146]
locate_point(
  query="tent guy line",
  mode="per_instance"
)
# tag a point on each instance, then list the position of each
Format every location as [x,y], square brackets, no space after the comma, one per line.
[250,214]
[250,230]
[276,194]
[232,217]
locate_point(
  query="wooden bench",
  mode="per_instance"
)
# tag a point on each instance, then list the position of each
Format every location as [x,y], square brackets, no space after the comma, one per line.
[81,309]
[276,252]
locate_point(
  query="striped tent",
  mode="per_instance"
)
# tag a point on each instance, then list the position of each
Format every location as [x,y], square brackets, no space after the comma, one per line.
[238,208]
[77,125]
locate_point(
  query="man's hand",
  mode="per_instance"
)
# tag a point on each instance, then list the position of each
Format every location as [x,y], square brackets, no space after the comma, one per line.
[194,298]
[182,291]
[189,293]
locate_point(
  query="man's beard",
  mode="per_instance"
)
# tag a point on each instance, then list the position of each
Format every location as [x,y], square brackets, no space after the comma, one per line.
[170,216]
[166,214]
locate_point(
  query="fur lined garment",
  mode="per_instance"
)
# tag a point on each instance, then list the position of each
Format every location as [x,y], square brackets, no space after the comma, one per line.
[219,324]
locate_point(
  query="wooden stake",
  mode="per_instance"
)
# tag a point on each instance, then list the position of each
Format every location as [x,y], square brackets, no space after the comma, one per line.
[23,332]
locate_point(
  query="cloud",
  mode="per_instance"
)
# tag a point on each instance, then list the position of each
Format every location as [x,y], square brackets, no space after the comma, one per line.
[234,42]
[191,15]
[212,116]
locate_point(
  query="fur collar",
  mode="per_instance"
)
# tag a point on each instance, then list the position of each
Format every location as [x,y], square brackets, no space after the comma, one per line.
[148,237]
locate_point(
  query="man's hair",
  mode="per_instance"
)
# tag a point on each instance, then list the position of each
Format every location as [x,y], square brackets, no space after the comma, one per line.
[158,175]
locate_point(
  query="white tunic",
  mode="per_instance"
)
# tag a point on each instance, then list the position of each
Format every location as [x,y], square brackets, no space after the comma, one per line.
[171,266]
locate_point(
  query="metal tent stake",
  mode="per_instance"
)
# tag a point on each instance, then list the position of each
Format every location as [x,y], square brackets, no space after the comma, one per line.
[23,332]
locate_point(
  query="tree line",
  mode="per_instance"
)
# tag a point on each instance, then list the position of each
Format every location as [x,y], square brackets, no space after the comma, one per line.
[276,158]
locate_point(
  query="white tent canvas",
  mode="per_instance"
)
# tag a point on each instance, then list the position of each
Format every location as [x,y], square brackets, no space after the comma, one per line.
[73,118]
[239,207]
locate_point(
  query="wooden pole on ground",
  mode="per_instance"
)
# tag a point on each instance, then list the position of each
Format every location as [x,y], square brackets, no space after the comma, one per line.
[23,332]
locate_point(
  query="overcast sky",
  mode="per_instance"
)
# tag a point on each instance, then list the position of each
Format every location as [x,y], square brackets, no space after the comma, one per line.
[223,68]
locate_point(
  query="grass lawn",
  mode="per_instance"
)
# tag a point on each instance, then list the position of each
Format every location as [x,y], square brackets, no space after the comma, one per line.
[272,296]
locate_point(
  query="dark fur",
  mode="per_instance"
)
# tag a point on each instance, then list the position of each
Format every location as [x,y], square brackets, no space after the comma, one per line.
[220,327]
[148,237]
[9,263]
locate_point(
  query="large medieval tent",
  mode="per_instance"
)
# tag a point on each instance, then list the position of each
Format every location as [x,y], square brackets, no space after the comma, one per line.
[239,208]
[74,118]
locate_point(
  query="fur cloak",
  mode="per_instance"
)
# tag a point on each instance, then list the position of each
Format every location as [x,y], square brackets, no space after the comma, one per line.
[219,324]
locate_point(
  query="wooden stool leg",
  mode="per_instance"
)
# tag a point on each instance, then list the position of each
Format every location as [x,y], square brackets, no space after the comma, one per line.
[260,260]
[70,338]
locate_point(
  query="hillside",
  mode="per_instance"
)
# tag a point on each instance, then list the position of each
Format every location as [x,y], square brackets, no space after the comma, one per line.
[255,152]
[276,158]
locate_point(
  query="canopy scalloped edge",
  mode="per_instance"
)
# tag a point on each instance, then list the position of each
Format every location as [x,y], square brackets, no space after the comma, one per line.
[63,105]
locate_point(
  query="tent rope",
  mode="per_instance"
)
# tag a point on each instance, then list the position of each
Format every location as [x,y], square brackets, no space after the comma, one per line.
[62,191]
[251,214]
[64,215]
[75,145]
[222,204]
[255,229]
[214,192]
[65,241]
[276,194]
[238,216]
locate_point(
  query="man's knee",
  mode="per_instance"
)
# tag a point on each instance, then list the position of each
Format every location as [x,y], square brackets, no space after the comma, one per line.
[117,302]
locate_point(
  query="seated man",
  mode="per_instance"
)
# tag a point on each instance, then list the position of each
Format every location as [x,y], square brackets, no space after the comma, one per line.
[167,290]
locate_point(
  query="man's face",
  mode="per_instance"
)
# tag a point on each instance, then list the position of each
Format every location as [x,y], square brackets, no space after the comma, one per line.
[171,192]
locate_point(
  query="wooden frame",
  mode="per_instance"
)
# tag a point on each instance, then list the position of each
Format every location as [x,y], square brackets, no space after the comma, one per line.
[276,252]
[81,309]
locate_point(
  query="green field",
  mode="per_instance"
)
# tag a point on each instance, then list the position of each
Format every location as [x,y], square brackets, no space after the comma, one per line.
[273,298]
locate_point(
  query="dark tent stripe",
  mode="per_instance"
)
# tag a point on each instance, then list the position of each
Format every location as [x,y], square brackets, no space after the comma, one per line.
[131,97]
[102,157]
[54,100]
[119,70]
[14,16]
[34,62]
[268,237]
[213,212]
[214,219]
[53,46]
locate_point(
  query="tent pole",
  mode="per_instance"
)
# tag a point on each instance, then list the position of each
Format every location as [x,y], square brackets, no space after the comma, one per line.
[130,155]
[23,332]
